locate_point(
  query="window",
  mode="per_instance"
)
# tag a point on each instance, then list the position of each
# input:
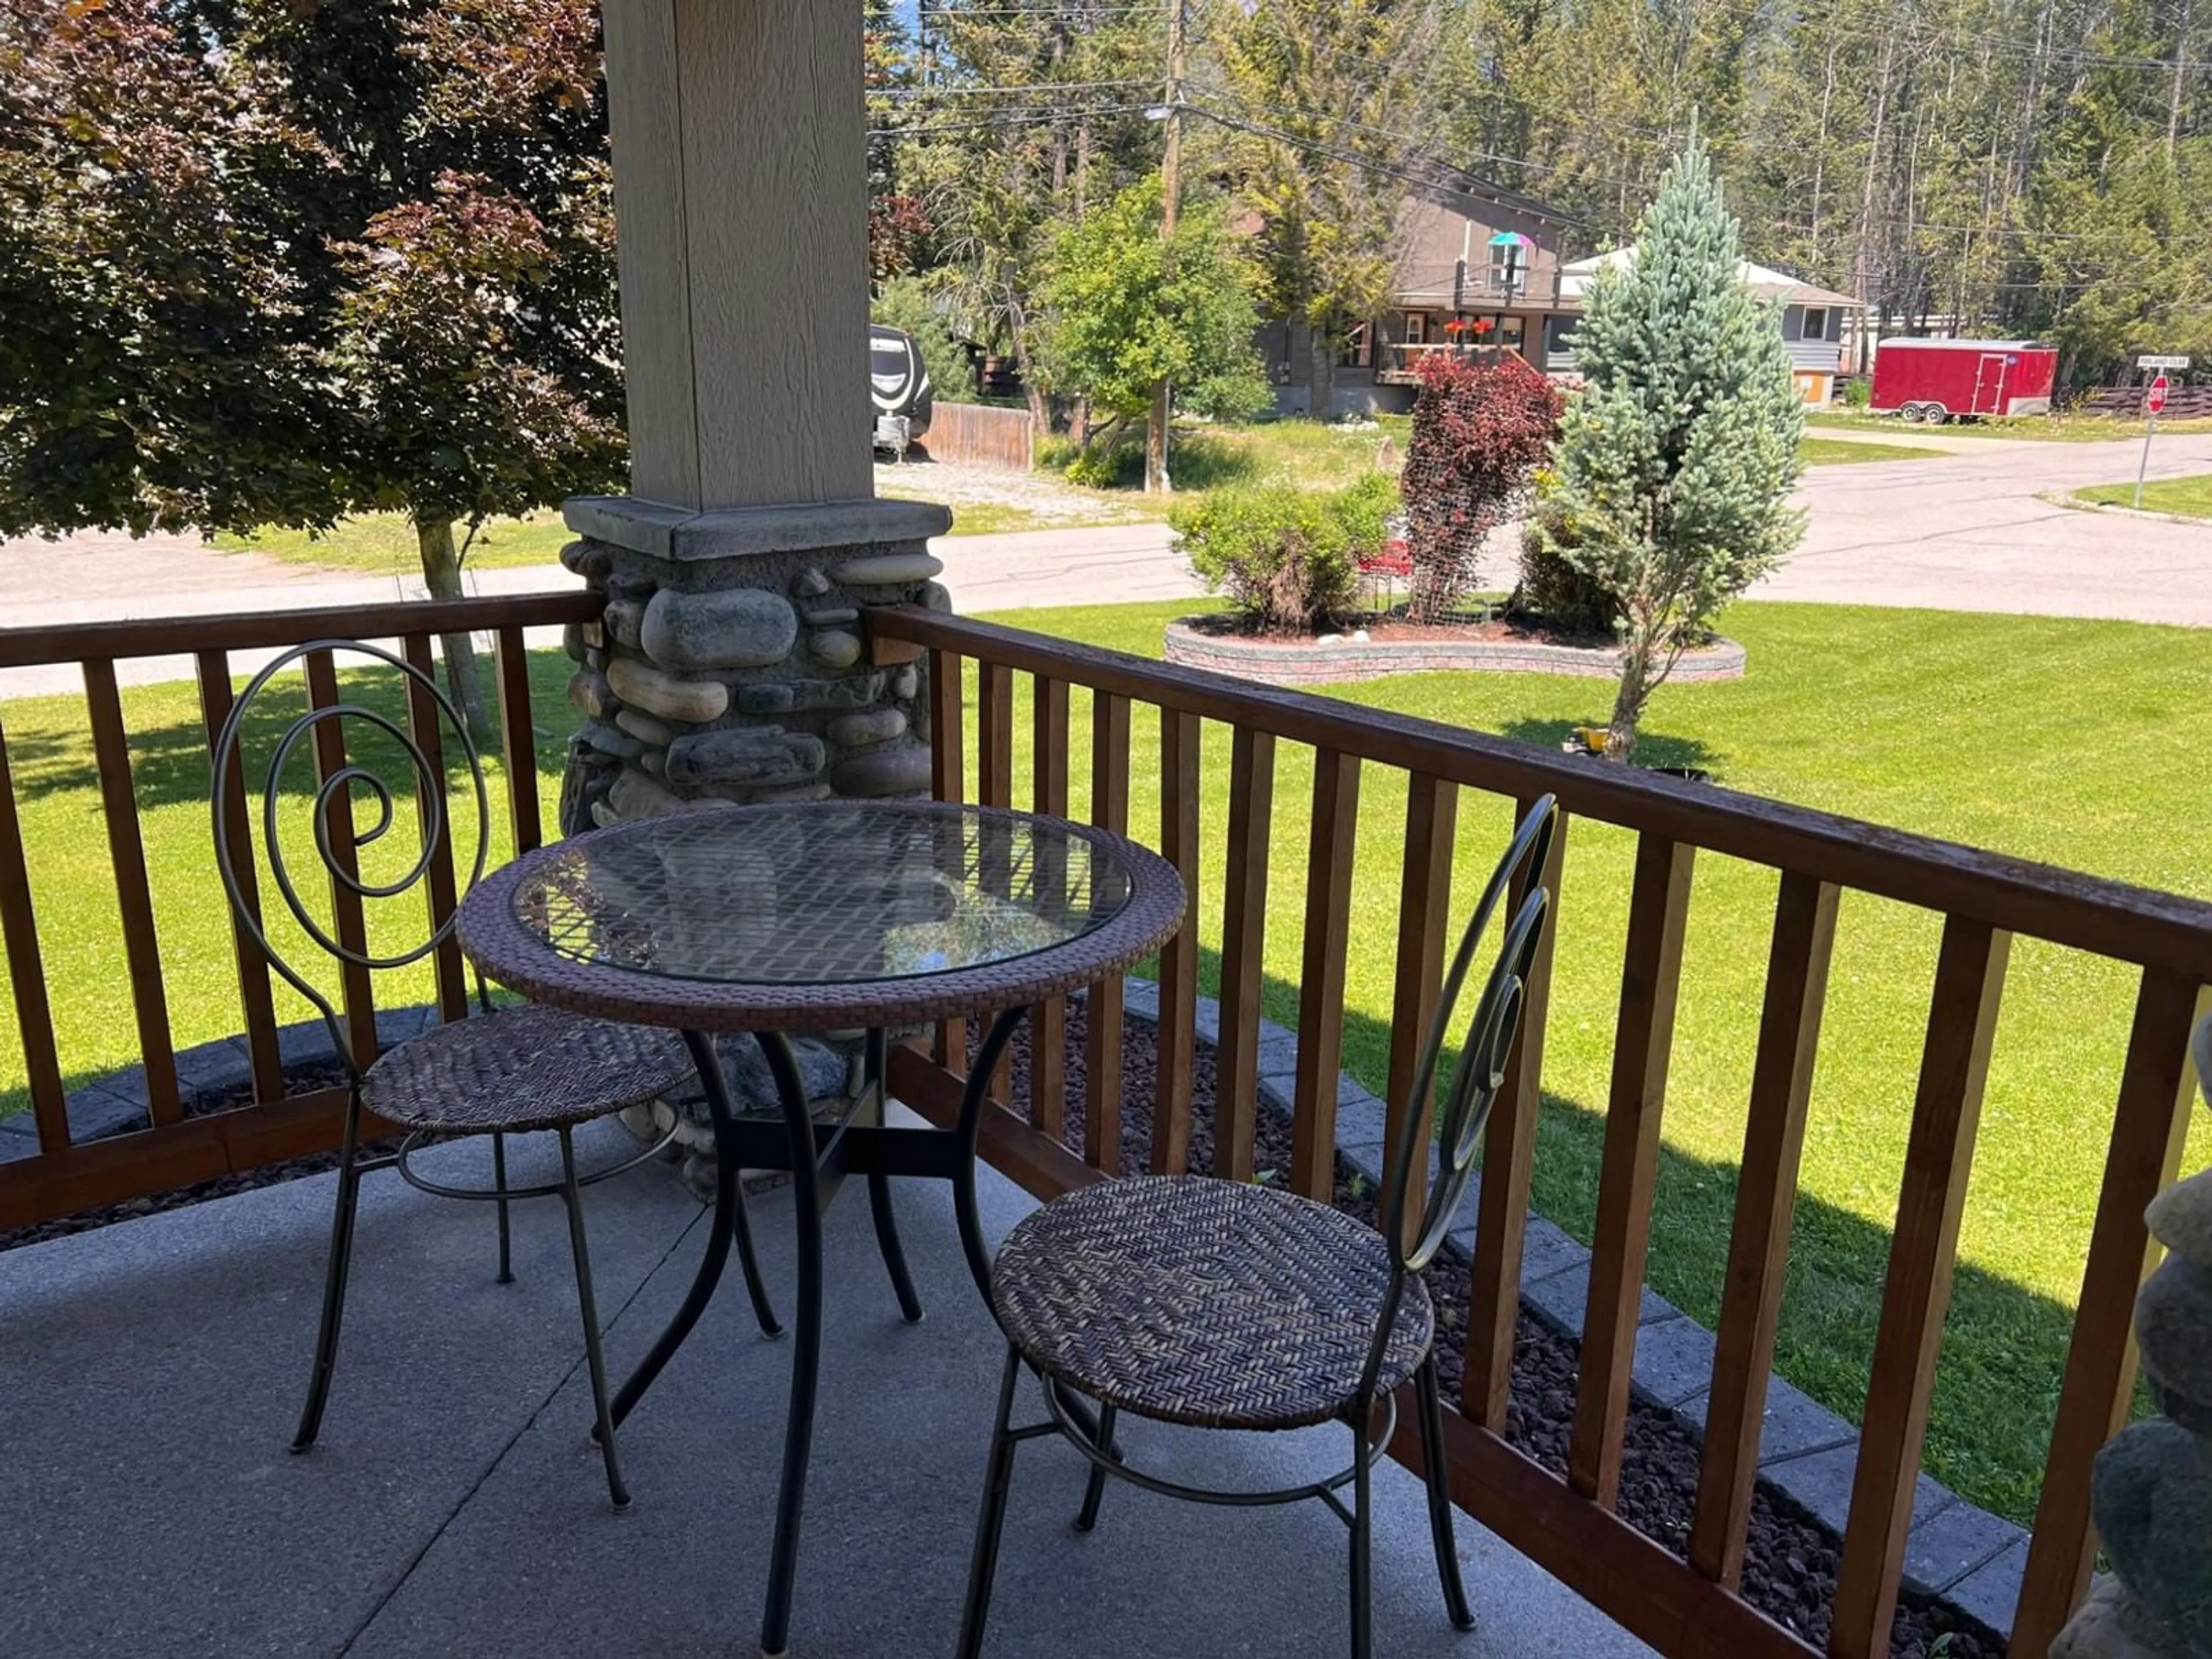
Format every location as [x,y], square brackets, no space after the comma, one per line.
[1816,323]
[1417,328]
[1508,273]
[1357,350]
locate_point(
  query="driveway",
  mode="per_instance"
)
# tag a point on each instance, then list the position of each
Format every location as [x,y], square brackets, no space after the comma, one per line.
[1970,530]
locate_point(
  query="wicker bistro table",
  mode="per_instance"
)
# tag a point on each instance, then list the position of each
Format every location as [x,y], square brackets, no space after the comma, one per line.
[827,917]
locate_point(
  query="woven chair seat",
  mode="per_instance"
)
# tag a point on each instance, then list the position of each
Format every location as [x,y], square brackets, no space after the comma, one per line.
[1205,1303]
[529,1068]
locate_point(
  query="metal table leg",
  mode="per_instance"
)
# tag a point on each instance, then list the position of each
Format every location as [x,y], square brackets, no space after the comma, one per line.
[729,1223]
[807,1350]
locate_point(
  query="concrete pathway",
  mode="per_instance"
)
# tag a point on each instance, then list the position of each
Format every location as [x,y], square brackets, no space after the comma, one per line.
[454,1505]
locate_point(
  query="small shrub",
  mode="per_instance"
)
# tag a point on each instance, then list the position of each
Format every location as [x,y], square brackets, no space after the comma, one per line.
[1288,560]
[1858,392]
[1553,589]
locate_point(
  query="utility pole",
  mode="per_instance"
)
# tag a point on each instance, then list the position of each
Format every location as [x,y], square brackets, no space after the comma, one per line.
[1155,435]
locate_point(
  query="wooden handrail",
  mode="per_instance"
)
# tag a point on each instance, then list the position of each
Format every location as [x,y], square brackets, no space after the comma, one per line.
[165,636]
[2017,895]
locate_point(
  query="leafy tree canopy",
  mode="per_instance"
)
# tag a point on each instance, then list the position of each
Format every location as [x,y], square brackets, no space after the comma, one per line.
[1129,308]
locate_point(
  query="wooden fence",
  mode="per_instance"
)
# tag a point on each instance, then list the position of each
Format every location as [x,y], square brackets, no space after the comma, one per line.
[177,1150]
[981,435]
[2183,403]
[1684,1605]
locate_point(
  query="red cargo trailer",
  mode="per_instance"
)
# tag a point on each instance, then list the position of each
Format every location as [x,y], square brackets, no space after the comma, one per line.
[1939,381]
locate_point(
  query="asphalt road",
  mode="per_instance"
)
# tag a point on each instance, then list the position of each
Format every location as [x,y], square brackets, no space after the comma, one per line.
[1967,530]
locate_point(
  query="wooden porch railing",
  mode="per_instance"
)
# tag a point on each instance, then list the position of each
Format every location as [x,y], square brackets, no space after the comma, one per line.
[1685,1605]
[175,1150]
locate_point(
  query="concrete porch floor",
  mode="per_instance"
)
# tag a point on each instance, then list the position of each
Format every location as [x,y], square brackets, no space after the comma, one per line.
[149,1372]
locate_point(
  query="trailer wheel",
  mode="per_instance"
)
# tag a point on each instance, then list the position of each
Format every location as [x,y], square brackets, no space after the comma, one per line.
[1934,414]
[1910,414]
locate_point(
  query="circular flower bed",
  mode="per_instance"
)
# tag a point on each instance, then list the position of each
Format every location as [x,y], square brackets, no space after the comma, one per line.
[1224,645]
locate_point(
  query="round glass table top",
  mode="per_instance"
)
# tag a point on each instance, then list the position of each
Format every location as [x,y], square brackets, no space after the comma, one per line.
[833,893]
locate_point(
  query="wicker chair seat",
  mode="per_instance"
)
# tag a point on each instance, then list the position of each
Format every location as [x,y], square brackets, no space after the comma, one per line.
[1205,1303]
[523,1068]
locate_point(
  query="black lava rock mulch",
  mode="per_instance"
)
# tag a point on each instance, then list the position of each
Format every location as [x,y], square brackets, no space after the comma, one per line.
[1791,1561]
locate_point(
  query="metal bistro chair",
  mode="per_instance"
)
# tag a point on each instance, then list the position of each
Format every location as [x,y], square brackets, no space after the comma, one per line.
[506,1070]
[1216,1305]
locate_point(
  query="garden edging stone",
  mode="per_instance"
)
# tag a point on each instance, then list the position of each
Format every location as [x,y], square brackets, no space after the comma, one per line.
[1970,1561]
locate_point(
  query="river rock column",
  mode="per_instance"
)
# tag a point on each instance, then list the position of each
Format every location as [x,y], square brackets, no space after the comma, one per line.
[733,662]
[2152,1494]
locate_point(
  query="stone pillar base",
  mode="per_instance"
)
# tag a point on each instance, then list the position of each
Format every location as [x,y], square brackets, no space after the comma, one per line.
[731,664]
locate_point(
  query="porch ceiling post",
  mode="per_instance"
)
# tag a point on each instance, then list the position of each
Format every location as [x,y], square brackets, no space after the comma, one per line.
[733,662]
[740,204]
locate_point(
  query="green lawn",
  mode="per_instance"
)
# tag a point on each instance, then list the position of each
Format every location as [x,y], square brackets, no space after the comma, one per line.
[2039,737]
[2190,497]
[383,544]
[1845,451]
[2045,428]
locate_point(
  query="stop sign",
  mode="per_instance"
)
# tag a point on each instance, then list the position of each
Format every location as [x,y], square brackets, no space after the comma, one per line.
[2154,399]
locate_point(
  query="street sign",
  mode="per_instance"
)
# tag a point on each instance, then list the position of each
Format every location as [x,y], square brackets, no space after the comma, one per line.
[2161,362]
[2154,399]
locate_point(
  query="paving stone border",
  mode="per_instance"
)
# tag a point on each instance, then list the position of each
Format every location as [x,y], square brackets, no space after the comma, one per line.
[1338,661]
[1964,1557]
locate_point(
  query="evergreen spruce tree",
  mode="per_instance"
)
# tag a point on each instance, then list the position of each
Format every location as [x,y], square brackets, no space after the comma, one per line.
[1675,463]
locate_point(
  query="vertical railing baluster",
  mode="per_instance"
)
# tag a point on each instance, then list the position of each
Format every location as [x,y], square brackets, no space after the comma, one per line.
[1179,803]
[1243,950]
[350,928]
[1329,853]
[1101,1045]
[1658,907]
[256,1005]
[517,736]
[142,949]
[2158,1087]
[26,973]
[1509,1162]
[427,725]
[1048,1019]
[994,787]
[1425,924]
[1759,1247]
[1962,1019]
[948,778]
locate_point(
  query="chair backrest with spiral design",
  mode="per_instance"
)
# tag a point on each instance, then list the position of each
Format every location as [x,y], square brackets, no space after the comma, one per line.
[1488,1045]
[433,737]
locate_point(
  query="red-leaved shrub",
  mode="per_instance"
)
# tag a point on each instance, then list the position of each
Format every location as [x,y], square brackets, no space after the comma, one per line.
[1481,427]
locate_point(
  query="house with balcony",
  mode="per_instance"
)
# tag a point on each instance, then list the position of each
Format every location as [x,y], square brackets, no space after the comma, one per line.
[1813,321]
[1477,266]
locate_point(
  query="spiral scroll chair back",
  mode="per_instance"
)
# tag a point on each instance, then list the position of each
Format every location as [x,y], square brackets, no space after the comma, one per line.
[1482,1060]
[432,712]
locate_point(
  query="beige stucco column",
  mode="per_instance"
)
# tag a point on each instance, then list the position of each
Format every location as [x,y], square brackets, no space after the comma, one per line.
[734,663]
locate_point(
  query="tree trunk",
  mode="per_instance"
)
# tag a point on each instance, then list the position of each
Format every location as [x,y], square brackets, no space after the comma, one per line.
[1636,652]
[441,574]
[1079,423]
[1321,340]
[1156,441]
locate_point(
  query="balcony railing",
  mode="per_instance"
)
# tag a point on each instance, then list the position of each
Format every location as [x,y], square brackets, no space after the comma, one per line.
[1685,1604]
